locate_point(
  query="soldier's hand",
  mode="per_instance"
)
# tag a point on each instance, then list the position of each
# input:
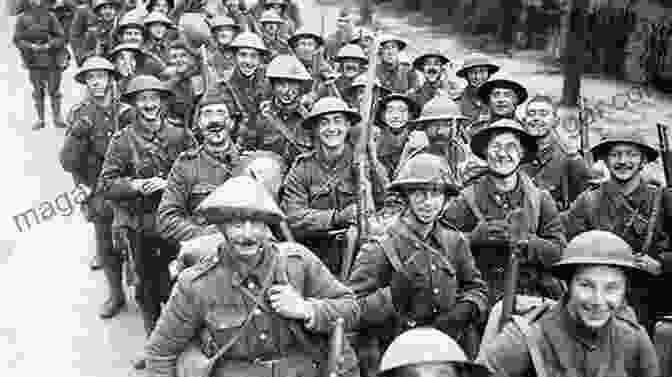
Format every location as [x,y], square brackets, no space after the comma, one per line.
[152,185]
[266,109]
[646,263]
[287,302]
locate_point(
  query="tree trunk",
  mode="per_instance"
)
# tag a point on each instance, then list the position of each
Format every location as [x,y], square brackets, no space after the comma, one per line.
[573,61]
[510,11]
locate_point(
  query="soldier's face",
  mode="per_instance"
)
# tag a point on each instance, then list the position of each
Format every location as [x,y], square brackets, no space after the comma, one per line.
[365,43]
[624,161]
[305,48]
[97,83]
[286,91]
[351,68]
[232,4]
[107,12]
[248,60]
[504,153]
[277,8]
[596,293]
[215,123]
[132,35]
[432,69]
[429,370]
[148,103]
[224,35]
[161,6]
[476,76]
[426,204]
[126,63]
[158,30]
[389,52]
[181,59]
[271,27]
[442,132]
[332,130]
[396,114]
[540,118]
[503,101]
[245,236]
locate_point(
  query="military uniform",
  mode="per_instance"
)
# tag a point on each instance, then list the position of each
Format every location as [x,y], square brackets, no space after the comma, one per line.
[398,78]
[389,147]
[195,174]
[222,60]
[563,175]
[314,189]
[425,93]
[136,152]
[158,49]
[249,92]
[187,89]
[471,105]
[546,234]
[282,132]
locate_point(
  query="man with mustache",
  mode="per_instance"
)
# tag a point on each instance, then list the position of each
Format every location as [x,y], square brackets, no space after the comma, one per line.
[503,207]
[92,123]
[264,307]
[476,70]
[392,74]
[183,77]
[220,53]
[565,175]
[634,209]
[278,128]
[433,68]
[320,190]
[197,173]
[501,97]
[133,176]
[350,61]
[419,272]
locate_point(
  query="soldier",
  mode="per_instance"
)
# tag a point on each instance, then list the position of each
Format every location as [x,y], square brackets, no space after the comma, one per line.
[354,95]
[350,61]
[501,96]
[278,127]
[160,30]
[271,27]
[220,52]
[419,272]
[92,123]
[393,114]
[364,38]
[392,75]
[131,29]
[198,172]
[345,32]
[40,38]
[285,9]
[585,335]
[185,80]
[161,6]
[429,353]
[307,46]
[476,70]
[92,30]
[130,61]
[242,16]
[564,175]
[261,306]
[433,68]
[504,206]
[319,193]
[133,176]
[635,210]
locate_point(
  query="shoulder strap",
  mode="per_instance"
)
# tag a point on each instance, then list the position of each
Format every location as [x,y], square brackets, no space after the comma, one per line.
[469,194]
[534,197]
[653,219]
[531,338]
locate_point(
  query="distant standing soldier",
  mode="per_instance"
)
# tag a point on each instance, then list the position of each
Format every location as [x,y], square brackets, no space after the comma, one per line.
[271,28]
[158,30]
[185,80]
[432,65]
[221,54]
[307,46]
[320,190]
[286,9]
[263,307]
[476,70]
[92,123]
[501,96]
[133,175]
[392,74]
[350,61]
[483,211]
[92,30]
[40,39]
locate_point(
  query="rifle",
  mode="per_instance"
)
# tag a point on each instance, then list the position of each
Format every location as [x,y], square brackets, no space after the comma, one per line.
[335,347]
[665,153]
[585,137]
[516,220]
[365,204]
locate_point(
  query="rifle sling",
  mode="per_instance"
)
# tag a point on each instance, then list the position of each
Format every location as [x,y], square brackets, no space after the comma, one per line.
[653,220]
[285,132]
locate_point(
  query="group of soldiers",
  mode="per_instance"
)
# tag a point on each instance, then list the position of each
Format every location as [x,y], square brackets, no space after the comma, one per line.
[235,178]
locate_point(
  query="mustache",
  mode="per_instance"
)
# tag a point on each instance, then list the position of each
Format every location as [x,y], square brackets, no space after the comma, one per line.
[432,71]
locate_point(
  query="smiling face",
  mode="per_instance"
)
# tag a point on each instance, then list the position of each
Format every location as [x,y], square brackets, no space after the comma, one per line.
[161,6]
[148,103]
[426,203]
[97,82]
[224,35]
[624,161]
[245,236]
[132,34]
[305,48]
[477,76]
[540,118]
[432,68]
[286,91]
[396,114]
[248,60]
[158,30]
[215,123]
[351,68]
[503,101]
[107,12]
[332,130]
[389,52]
[126,63]
[181,59]
[504,153]
[596,293]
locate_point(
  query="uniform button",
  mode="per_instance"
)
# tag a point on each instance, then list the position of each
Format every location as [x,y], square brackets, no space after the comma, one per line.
[499,269]
[417,245]
[263,336]
[436,291]
[433,267]
[256,311]
[251,285]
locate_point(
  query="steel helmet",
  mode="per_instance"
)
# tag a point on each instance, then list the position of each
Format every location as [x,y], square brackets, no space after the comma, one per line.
[131,20]
[267,167]
[214,97]
[427,345]
[223,21]
[99,3]
[502,82]
[287,67]
[596,247]
[183,44]
[438,108]
[272,2]
[361,80]
[240,197]
[305,32]
[423,170]
[160,18]
[330,105]
[141,83]
[351,51]
[125,47]
[392,38]
[269,16]
[413,107]
[420,60]
[248,39]
[95,63]
[601,149]
[480,140]
[362,33]
[476,60]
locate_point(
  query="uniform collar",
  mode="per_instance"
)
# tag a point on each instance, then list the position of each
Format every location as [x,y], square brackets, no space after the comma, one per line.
[420,232]
[227,156]
[500,197]
[144,131]
[590,339]
[342,160]
[612,188]
[252,268]
[387,68]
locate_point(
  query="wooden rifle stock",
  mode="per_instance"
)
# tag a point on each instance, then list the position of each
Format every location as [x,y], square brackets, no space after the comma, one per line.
[518,227]
[585,138]
[665,153]
[335,347]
